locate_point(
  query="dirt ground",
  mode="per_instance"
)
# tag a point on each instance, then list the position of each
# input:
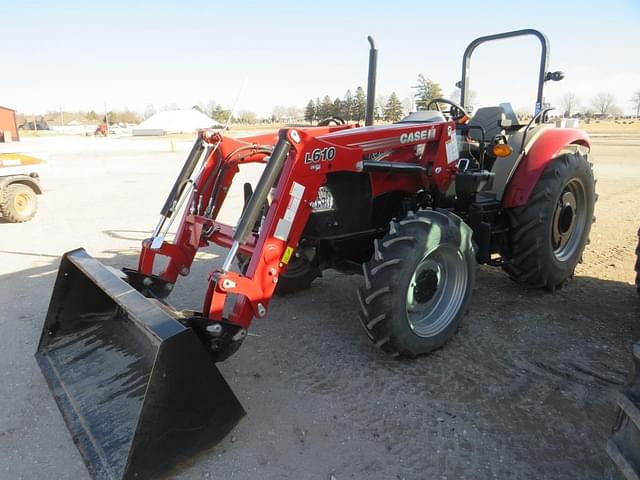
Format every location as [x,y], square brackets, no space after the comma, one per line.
[525,389]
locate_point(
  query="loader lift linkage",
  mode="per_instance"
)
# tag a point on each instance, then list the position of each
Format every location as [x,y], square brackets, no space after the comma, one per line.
[299,177]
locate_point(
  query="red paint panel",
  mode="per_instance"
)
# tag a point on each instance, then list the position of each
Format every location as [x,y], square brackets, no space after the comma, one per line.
[8,122]
[545,149]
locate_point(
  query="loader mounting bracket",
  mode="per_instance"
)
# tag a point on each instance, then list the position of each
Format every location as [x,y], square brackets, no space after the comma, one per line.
[221,338]
[149,285]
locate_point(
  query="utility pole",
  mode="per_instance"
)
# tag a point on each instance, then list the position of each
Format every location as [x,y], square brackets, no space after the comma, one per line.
[61,118]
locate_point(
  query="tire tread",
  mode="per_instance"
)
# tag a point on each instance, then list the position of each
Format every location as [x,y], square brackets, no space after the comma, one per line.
[529,225]
[391,255]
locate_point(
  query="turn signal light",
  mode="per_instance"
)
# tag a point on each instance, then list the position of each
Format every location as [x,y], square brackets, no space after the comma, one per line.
[502,150]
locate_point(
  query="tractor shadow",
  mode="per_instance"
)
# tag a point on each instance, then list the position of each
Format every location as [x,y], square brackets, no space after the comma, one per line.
[530,374]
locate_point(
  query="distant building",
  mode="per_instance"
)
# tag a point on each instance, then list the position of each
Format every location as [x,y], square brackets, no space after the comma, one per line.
[75,127]
[175,121]
[8,125]
[34,122]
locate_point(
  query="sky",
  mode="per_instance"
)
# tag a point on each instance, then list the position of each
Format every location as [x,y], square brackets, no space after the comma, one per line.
[82,55]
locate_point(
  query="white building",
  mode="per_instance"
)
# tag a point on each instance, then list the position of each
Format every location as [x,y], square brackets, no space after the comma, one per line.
[175,121]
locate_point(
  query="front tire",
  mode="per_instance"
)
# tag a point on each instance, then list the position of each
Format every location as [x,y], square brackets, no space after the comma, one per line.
[549,234]
[18,203]
[418,284]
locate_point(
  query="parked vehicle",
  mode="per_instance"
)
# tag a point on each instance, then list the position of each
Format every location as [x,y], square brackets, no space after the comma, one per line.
[19,186]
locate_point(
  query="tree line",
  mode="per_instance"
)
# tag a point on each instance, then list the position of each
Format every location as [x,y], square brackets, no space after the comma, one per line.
[352,106]
[601,104]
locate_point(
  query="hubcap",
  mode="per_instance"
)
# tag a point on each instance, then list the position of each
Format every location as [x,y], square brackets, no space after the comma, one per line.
[21,202]
[569,220]
[436,291]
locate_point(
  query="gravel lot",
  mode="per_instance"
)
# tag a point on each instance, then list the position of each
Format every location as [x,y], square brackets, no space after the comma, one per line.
[525,389]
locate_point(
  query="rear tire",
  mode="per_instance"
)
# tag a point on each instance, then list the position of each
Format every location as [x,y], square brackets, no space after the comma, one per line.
[549,234]
[418,284]
[19,203]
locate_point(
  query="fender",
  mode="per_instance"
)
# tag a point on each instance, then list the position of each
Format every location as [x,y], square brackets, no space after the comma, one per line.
[549,145]
[33,182]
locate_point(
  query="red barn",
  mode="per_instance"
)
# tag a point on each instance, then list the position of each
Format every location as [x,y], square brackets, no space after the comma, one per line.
[8,123]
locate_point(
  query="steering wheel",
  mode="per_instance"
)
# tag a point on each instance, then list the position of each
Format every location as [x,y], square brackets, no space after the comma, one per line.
[455,112]
[332,119]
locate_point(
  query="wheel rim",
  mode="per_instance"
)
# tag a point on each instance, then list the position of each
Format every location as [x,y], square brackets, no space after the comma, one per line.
[436,291]
[569,220]
[21,203]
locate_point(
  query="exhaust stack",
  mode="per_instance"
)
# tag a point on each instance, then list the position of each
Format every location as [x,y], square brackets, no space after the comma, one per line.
[371,83]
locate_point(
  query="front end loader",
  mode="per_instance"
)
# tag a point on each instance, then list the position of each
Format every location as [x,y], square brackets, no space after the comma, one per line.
[413,207]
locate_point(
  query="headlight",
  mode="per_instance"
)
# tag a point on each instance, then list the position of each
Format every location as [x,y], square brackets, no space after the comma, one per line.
[324,202]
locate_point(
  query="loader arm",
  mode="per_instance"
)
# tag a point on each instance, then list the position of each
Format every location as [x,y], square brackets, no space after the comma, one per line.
[403,157]
[302,176]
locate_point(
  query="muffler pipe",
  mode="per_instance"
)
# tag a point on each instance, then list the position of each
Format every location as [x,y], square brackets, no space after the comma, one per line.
[371,83]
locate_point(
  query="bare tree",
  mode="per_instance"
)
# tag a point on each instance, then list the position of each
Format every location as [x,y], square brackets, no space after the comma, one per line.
[569,103]
[635,101]
[407,105]
[472,95]
[603,102]
[210,107]
[379,106]
[246,117]
[616,111]
[279,114]
[149,111]
[294,113]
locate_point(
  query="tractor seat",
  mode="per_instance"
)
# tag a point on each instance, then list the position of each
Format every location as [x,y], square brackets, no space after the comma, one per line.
[492,119]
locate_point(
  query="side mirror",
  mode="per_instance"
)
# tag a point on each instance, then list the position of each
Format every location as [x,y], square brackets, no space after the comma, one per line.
[555,76]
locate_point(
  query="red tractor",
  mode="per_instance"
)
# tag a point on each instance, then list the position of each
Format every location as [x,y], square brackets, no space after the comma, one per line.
[414,207]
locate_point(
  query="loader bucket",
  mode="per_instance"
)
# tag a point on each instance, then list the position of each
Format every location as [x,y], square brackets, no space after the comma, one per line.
[137,389]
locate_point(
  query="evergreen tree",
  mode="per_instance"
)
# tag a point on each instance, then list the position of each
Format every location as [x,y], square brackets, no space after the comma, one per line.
[310,112]
[337,108]
[347,106]
[220,114]
[426,90]
[326,107]
[318,117]
[393,109]
[359,104]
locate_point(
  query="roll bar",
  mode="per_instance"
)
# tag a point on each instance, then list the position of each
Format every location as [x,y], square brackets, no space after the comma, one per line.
[544,60]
